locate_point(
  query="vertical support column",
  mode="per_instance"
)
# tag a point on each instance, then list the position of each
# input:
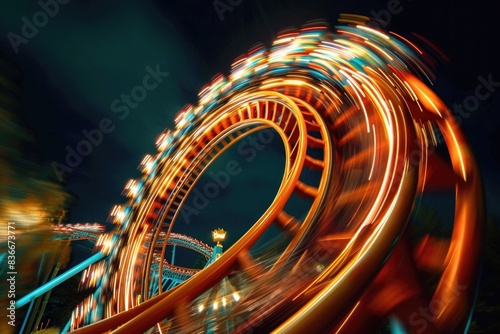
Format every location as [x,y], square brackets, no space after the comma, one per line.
[216,253]
[173,255]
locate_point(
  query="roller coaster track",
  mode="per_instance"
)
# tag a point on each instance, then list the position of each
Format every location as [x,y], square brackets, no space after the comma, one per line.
[352,107]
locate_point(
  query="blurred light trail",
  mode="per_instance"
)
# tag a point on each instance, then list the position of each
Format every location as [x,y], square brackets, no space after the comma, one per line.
[357,123]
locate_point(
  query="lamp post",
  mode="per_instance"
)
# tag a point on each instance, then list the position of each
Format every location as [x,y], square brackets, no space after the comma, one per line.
[218,235]
[221,298]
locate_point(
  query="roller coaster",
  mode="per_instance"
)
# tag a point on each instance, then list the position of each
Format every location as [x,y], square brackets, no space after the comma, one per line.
[352,108]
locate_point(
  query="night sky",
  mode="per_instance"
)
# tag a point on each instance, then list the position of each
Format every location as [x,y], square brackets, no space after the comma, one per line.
[81,61]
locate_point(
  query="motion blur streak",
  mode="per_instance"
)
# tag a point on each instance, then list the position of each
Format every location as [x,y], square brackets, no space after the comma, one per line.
[352,109]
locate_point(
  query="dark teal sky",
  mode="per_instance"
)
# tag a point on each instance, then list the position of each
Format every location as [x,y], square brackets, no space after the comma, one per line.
[83,59]
[91,52]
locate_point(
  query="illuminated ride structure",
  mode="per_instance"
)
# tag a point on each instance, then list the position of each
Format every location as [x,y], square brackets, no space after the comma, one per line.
[350,106]
[173,275]
[74,232]
[93,270]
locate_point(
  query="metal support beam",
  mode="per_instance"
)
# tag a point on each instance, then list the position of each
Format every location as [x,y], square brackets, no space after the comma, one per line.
[58,280]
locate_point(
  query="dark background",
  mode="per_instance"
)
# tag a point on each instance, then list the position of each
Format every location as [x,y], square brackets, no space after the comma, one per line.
[91,52]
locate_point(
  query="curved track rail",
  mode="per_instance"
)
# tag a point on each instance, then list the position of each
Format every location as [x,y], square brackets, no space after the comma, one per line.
[349,106]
